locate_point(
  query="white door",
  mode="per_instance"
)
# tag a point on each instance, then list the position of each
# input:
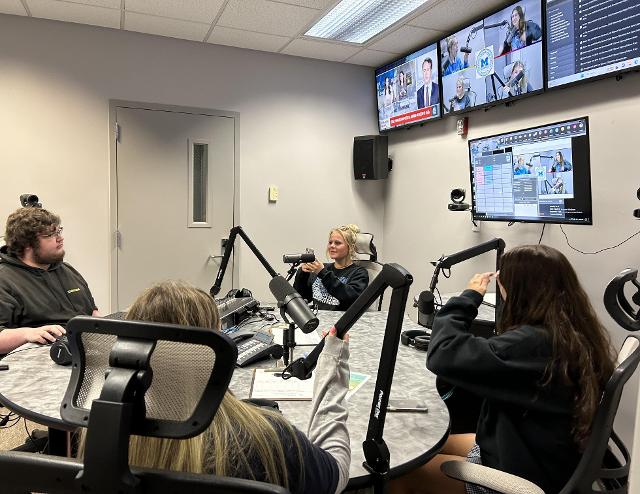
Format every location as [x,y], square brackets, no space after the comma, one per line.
[175,197]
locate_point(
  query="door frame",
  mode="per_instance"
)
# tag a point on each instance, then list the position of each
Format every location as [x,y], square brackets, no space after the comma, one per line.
[114,104]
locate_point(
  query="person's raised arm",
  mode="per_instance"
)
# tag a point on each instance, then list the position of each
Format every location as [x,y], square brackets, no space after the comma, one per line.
[328,421]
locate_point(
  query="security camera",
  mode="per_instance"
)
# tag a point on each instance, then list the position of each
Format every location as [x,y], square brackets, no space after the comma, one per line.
[457,200]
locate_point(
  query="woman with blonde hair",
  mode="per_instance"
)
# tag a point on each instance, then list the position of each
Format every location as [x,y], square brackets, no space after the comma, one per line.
[335,285]
[243,440]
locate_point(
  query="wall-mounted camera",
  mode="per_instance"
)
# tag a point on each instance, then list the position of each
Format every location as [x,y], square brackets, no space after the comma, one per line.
[636,212]
[457,200]
[30,201]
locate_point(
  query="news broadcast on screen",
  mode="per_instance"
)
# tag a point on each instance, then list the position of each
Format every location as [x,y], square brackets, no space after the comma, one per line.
[495,59]
[408,90]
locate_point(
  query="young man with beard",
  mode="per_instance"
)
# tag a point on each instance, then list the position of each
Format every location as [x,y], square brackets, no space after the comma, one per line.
[38,291]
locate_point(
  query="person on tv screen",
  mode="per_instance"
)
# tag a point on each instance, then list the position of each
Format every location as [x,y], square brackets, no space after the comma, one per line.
[429,92]
[560,164]
[541,376]
[388,92]
[461,100]
[402,84]
[452,62]
[336,285]
[521,168]
[557,185]
[521,32]
[517,83]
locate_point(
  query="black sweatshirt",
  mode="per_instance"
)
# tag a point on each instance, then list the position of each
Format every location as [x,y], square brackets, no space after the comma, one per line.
[332,288]
[34,297]
[524,428]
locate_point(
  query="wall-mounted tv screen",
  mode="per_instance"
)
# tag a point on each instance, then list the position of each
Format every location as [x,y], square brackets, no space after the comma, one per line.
[408,90]
[591,38]
[495,59]
[541,174]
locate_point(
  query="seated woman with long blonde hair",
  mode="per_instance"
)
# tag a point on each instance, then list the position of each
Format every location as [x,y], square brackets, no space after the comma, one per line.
[244,440]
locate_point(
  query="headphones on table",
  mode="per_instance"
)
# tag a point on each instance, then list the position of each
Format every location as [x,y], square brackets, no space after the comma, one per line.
[239,293]
[417,338]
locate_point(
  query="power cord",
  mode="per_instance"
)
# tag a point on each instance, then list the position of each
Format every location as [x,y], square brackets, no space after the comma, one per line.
[541,233]
[599,250]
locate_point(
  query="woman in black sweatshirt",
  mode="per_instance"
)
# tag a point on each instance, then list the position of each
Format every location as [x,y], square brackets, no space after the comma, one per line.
[335,285]
[541,377]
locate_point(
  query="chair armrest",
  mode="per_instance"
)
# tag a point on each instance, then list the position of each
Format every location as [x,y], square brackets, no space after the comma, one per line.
[491,478]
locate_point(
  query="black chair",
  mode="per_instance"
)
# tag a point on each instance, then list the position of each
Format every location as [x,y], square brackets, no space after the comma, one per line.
[139,378]
[598,465]
[366,256]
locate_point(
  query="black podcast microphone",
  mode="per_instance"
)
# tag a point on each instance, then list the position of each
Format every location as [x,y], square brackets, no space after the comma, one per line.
[426,309]
[465,49]
[517,78]
[293,304]
[296,258]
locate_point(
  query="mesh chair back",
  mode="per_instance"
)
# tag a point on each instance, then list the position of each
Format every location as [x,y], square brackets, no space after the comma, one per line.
[598,464]
[366,256]
[180,374]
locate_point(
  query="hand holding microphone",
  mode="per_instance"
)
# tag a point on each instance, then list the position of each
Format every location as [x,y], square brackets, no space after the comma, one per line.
[312,267]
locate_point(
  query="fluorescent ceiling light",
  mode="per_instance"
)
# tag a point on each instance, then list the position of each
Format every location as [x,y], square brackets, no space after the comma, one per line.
[357,21]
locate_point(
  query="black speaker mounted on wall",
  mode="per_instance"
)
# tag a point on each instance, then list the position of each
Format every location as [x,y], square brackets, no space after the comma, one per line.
[370,157]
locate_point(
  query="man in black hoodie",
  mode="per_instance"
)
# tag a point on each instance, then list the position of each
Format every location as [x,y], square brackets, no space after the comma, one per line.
[39,292]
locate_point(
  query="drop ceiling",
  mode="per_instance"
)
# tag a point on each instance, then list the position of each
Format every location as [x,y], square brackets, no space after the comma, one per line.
[276,26]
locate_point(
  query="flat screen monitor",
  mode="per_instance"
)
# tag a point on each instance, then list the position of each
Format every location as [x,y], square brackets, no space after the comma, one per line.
[408,90]
[496,59]
[589,39]
[539,175]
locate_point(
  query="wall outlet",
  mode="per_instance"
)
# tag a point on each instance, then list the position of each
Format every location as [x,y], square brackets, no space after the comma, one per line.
[273,193]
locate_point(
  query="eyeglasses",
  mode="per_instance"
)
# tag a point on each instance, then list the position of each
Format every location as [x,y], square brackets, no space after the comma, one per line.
[56,233]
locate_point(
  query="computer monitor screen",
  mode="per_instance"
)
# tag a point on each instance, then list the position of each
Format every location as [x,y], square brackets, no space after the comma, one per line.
[495,59]
[589,39]
[540,174]
[408,90]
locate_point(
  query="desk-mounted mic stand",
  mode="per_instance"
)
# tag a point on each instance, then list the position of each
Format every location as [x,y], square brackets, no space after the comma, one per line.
[395,276]
[289,301]
[446,262]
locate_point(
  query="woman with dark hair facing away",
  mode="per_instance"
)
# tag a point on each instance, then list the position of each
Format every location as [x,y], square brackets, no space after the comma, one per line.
[244,440]
[521,32]
[336,285]
[541,377]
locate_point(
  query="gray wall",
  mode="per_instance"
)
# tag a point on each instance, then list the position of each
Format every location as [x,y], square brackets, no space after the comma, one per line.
[297,122]
[431,160]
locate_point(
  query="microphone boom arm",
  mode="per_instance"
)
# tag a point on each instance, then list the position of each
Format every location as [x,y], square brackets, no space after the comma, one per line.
[233,233]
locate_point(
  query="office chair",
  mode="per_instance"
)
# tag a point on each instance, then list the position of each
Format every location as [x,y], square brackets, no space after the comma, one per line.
[132,377]
[366,256]
[598,464]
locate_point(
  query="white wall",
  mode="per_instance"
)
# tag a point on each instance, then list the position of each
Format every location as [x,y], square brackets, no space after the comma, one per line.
[431,160]
[298,118]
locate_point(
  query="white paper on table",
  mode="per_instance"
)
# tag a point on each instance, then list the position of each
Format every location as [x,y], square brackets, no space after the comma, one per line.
[302,339]
[269,385]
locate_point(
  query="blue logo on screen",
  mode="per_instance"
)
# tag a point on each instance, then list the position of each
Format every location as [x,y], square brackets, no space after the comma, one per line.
[484,62]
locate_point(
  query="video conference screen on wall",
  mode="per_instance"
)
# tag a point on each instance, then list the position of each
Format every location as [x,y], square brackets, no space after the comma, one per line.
[408,90]
[591,38]
[495,59]
[541,174]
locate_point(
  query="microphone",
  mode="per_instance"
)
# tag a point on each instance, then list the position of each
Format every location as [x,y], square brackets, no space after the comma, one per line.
[293,304]
[297,258]
[465,49]
[517,78]
[426,309]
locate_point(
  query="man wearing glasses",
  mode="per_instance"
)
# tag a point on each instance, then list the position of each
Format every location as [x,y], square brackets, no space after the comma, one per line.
[38,291]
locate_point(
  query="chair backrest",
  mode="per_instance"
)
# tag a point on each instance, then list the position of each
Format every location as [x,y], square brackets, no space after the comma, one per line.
[366,256]
[599,463]
[131,377]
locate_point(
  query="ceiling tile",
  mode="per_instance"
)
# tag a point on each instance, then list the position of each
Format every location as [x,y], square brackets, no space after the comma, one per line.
[13,7]
[190,10]
[405,39]
[266,17]
[319,49]
[314,4]
[162,26]
[247,39]
[372,58]
[110,4]
[451,14]
[75,12]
